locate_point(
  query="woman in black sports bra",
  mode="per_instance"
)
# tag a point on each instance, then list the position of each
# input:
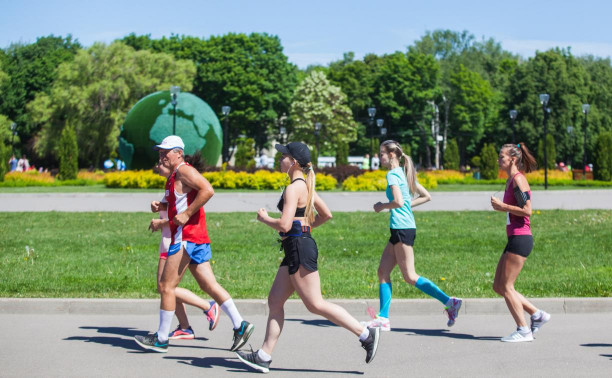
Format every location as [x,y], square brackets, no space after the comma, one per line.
[298,270]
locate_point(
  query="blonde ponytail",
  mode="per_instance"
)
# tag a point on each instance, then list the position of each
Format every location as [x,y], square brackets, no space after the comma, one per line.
[310,185]
[410,173]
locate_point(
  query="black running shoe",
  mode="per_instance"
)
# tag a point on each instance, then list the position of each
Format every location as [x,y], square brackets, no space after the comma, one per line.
[371,344]
[241,335]
[151,342]
[252,359]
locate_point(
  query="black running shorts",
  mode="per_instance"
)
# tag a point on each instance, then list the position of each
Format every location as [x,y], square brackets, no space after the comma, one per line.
[519,245]
[405,235]
[300,250]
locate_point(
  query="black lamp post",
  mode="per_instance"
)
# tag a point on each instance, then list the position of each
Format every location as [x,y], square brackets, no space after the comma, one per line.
[585,110]
[570,132]
[225,152]
[371,113]
[513,114]
[174,92]
[14,132]
[317,133]
[544,101]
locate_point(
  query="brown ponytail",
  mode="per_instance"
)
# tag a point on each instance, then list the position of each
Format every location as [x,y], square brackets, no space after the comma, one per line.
[525,161]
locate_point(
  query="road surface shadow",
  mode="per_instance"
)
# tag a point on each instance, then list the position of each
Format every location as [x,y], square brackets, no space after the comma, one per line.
[234,365]
[314,322]
[445,333]
[595,345]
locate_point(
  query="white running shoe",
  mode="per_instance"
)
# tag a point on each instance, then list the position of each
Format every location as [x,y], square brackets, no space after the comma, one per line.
[517,337]
[383,323]
[536,324]
[453,310]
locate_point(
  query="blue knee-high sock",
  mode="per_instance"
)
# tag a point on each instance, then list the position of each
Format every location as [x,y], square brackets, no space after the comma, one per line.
[430,288]
[384,292]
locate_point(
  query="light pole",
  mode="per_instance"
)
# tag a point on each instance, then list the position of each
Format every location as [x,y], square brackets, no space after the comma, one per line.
[513,114]
[174,92]
[283,134]
[544,97]
[371,113]
[585,110]
[570,132]
[225,151]
[317,133]
[14,132]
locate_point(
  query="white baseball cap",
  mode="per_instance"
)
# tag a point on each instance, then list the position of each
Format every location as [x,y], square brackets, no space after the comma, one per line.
[170,142]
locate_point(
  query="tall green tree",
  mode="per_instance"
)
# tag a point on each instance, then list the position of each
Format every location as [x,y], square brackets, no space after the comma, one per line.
[451,155]
[94,92]
[551,151]
[317,100]
[68,155]
[488,162]
[31,69]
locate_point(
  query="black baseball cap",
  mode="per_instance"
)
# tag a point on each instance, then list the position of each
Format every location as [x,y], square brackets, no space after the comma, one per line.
[299,151]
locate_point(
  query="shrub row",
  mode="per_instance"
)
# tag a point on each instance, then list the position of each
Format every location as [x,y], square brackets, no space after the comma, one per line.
[35,178]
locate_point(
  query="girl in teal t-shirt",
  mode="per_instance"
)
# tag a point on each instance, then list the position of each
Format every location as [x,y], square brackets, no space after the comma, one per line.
[403,192]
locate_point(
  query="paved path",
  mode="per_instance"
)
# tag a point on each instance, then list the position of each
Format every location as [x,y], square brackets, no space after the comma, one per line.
[337,201]
[82,345]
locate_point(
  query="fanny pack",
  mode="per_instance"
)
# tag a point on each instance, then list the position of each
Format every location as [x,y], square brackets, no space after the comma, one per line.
[296,229]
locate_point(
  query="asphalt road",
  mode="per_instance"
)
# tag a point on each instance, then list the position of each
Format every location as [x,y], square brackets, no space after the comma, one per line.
[337,201]
[91,345]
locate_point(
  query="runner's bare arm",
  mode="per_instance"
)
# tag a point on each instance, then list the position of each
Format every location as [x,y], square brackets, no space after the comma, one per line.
[323,212]
[423,197]
[191,178]
[284,223]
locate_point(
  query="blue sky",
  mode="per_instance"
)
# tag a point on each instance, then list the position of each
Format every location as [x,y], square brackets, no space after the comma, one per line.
[317,31]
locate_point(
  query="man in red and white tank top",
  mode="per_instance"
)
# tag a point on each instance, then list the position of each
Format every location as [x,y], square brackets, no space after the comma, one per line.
[186,193]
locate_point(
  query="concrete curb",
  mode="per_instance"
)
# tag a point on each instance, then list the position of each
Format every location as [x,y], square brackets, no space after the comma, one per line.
[471,306]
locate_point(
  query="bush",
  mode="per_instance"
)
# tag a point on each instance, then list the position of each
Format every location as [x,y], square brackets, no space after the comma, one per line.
[68,155]
[488,162]
[377,181]
[245,153]
[602,166]
[342,152]
[134,179]
[5,155]
[451,155]
[342,172]
[551,152]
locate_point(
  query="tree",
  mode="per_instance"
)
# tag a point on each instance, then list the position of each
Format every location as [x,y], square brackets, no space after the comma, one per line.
[551,152]
[5,155]
[317,100]
[94,92]
[31,69]
[245,153]
[451,155]
[68,155]
[603,157]
[488,162]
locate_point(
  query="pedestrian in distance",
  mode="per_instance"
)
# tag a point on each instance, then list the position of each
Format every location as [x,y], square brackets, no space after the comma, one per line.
[183,296]
[403,192]
[298,270]
[187,191]
[515,159]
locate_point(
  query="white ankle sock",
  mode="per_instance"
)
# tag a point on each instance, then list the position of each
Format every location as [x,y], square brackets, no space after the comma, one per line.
[264,356]
[230,309]
[537,314]
[524,330]
[364,334]
[165,321]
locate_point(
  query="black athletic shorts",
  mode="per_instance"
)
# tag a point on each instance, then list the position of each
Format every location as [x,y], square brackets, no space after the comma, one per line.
[404,235]
[519,245]
[300,250]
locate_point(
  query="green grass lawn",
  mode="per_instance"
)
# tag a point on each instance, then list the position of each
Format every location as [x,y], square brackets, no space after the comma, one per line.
[111,255]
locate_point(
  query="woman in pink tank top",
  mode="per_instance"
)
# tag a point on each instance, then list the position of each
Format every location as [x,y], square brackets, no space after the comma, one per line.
[517,204]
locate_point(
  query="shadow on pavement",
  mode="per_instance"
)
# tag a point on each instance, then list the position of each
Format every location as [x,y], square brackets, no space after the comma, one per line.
[445,333]
[314,322]
[599,346]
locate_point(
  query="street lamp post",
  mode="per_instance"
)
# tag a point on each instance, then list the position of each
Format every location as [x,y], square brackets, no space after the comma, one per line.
[544,101]
[585,110]
[371,113]
[570,132]
[513,114]
[283,134]
[317,133]
[14,132]
[174,92]
[225,151]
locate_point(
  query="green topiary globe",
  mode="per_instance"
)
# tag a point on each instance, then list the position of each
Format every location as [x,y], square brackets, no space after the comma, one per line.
[150,121]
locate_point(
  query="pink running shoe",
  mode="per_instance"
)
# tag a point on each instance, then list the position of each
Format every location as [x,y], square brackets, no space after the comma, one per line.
[181,334]
[377,321]
[453,310]
[212,315]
